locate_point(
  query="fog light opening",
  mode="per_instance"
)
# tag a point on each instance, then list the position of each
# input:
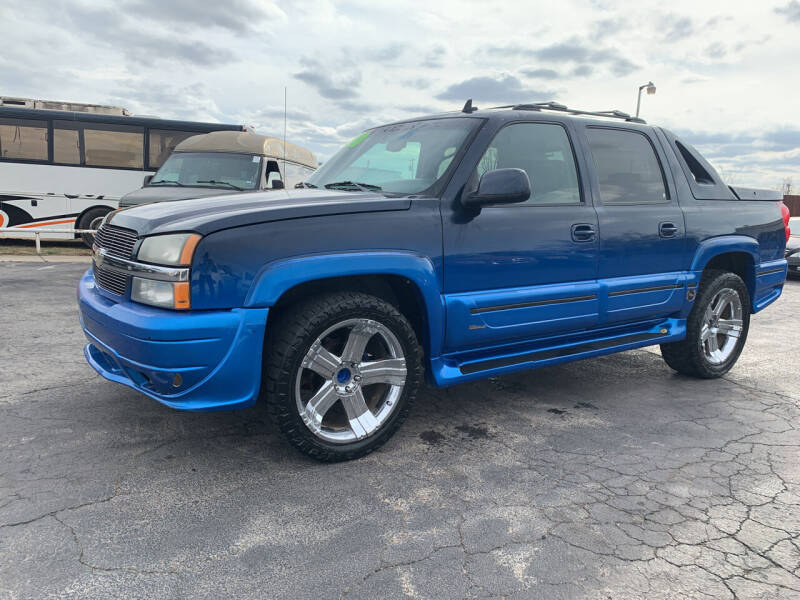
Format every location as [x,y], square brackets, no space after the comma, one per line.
[177,381]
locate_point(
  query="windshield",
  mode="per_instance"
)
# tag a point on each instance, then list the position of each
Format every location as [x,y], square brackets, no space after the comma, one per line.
[407,158]
[210,169]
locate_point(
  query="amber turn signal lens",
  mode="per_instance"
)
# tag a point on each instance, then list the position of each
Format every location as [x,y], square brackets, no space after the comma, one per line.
[181,295]
[188,249]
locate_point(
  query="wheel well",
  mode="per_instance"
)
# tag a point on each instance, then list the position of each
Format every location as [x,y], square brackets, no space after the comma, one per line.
[740,263]
[398,291]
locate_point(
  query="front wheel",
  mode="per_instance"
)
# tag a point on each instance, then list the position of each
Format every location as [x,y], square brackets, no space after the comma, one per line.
[340,374]
[716,329]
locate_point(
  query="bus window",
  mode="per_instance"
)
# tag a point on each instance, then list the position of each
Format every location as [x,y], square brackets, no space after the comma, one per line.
[23,139]
[66,145]
[163,142]
[114,146]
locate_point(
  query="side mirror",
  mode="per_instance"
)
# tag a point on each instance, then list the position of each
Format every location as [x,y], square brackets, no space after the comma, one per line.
[501,186]
[277,184]
[147,179]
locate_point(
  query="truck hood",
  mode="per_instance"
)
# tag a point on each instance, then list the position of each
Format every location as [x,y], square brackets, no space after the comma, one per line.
[207,215]
[164,193]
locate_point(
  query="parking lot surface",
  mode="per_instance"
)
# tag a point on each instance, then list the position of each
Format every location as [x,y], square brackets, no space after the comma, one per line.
[608,478]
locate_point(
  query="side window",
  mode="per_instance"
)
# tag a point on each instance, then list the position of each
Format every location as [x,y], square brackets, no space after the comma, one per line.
[114,146]
[293,174]
[272,173]
[543,151]
[23,139]
[628,170]
[162,143]
[66,143]
[700,175]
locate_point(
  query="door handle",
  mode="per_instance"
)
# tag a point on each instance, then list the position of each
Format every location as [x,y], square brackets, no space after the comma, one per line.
[667,230]
[71,196]
[583,232]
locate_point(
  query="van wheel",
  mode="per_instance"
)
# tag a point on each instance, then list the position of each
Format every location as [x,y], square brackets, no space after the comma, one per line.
[341,373]
[92,219]
[716,329]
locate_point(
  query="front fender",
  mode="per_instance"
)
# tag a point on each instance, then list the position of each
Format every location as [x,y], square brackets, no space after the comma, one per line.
[276,278]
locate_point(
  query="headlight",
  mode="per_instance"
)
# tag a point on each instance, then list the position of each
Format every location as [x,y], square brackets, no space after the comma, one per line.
[174,249]
[164,294]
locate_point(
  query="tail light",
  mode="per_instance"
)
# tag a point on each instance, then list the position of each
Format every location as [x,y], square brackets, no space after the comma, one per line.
[785,214]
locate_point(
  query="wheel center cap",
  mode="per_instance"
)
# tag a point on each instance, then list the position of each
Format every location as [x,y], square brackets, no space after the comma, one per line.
[343,376]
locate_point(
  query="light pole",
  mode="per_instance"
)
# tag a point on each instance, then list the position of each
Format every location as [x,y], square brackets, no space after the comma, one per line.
[651,89]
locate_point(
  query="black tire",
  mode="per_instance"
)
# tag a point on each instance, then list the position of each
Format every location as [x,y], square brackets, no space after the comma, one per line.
[688,356]
[91,220]
[290,335]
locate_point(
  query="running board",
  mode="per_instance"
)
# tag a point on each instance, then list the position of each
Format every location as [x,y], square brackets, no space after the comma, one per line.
[507,361]
[452,369]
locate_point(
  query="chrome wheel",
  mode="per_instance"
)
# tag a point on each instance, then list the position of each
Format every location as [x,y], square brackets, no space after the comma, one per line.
[722,326]
[350,380]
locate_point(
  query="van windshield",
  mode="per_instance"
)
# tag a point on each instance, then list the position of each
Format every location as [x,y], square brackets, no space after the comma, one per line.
[406,158]
[210,169]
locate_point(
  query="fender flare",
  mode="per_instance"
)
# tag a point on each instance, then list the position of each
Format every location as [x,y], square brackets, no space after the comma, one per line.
[708,249]
[278,277]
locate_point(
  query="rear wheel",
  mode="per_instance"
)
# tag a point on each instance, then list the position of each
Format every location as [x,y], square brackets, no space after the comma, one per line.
[341,373]
[716,329]
[92,219]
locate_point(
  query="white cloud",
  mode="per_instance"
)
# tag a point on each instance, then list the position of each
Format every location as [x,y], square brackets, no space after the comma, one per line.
[357,63]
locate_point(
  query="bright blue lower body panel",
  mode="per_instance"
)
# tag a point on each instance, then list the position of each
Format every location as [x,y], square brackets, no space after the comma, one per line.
[194,360]
[770,277]
[499,360]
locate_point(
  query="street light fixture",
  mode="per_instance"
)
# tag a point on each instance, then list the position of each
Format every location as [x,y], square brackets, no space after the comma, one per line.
[651,89]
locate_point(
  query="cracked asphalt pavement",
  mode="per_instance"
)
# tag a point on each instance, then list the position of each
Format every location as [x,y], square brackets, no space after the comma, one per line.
[604,479]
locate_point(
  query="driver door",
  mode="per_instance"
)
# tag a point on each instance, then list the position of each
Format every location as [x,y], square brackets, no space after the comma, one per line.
[522,271]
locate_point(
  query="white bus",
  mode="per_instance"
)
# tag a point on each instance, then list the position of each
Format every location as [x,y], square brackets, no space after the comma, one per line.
[67,169]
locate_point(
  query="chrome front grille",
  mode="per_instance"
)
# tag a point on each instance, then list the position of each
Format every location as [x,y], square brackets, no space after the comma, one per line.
[116,241]
[114,282]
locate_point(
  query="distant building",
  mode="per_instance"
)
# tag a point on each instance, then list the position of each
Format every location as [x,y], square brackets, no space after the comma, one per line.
[793,202]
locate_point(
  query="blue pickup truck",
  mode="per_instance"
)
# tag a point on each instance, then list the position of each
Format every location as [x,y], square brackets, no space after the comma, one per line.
[452,248]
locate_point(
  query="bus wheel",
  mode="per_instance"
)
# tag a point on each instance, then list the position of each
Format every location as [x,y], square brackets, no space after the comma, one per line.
[92,219]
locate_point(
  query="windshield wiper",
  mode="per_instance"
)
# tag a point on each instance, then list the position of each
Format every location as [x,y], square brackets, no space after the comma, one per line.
[228,183]
[345,185]
[158,181]
[304,184]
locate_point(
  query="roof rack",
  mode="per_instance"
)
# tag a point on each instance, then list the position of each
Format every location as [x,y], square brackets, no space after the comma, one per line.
[556,106]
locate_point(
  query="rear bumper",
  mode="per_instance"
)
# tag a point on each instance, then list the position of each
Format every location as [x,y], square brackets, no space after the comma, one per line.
[195,360]
[770,277]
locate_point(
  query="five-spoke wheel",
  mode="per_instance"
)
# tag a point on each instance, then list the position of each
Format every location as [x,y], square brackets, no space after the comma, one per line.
[722,326]
[716,328]
[341,373]
[350,380]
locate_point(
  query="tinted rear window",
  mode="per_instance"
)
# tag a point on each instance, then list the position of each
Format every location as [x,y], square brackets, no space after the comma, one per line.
[628,171]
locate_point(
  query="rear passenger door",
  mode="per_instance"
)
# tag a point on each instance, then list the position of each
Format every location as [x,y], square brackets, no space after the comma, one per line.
[642,254]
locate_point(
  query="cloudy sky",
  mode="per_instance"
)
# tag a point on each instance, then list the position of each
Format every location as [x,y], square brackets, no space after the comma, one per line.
[726,72]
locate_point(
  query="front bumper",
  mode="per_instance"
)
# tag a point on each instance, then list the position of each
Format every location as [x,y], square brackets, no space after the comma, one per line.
[215,354]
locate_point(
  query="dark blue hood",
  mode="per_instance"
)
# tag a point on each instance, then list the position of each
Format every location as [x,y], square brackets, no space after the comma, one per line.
[206,215]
